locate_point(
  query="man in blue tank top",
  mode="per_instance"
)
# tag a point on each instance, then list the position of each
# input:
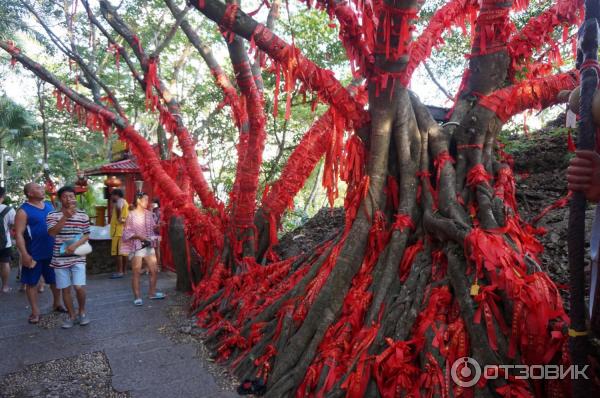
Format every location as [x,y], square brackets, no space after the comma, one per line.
[35,246]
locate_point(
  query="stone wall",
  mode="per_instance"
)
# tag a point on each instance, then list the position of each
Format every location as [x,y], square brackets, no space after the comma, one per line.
[99,261]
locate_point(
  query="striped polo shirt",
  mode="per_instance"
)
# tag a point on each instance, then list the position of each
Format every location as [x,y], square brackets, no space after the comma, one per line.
[79,224]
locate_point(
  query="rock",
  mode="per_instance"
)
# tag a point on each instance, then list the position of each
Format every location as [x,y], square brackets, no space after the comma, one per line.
[185,329]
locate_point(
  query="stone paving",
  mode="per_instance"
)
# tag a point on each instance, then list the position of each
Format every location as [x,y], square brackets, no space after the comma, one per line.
[143,361]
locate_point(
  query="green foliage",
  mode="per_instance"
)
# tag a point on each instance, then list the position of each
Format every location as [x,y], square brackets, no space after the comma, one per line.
[71,146]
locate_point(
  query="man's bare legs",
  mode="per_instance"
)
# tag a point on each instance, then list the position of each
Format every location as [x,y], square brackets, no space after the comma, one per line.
[5,275]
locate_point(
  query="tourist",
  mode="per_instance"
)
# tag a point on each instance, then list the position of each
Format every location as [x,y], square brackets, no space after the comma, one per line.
[35,248]
[70,228]
[120,208]
[7,220]
[139,240]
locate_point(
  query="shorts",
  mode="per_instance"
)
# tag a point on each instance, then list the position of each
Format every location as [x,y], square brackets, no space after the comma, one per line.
[115,246]
[31,276]
[6,255]
[73,275]
[144,252]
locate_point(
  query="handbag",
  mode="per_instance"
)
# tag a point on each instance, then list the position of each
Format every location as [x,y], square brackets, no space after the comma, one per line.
[83,250]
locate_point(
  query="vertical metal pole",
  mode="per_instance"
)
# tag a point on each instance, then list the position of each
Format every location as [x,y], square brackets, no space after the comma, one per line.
[578,339]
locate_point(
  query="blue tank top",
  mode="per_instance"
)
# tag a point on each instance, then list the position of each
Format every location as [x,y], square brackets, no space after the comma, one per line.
[39,244]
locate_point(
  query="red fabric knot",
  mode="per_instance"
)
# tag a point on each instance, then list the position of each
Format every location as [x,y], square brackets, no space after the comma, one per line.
[408,258]
[14,51]
[229,17]
[439,162]
[487,306]
[151,81]
[394,26]
[477,175]
[402,222]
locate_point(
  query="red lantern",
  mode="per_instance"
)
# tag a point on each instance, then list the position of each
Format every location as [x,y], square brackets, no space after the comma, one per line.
[112,182]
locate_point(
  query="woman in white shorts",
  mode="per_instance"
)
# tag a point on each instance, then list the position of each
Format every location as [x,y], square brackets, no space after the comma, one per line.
[138,242]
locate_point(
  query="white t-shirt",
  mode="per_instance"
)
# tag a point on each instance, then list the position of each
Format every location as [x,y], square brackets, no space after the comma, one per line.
[9,221]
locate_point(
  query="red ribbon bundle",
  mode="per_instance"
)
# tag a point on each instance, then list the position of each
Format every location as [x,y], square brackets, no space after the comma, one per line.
[151,81]
[487,306]
[394,30]
[453,12]
[538,31]
[493,27]
[477,175]
[533,93]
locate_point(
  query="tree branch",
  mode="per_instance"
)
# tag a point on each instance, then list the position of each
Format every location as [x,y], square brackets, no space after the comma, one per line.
[93,80]
[437,83]
[173,108]
[178,20]
[315,78]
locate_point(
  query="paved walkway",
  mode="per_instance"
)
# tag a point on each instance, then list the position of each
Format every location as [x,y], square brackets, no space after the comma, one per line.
[143,361]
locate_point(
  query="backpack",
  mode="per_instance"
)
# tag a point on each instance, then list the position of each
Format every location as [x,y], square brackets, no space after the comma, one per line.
[3,232]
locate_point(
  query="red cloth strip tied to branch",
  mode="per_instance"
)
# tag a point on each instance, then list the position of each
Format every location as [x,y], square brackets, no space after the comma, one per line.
[453,12]
[320,80]
[538,326]
[487,307]
[299,166]
[505,187]
[151,81]
[394,31]
[14,51]
[333,156]
[348,338]
[188,147]
[396,369]
[538,31]
[530,94]
[493,27]
[477,175]
[229,16]
[249,166]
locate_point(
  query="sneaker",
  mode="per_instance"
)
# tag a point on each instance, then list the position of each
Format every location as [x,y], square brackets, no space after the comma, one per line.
[158,296]
[138,302]
[68,323]
[83,319]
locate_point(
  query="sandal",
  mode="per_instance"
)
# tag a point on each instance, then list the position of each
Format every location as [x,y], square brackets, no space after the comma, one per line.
[158,296]
[138,302]
[116,275]
[33,319]
[60,310]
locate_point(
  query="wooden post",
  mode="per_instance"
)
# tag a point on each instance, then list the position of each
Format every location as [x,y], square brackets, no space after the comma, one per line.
[178,249]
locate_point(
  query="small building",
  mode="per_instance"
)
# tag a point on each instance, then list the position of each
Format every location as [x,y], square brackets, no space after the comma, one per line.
[123,172]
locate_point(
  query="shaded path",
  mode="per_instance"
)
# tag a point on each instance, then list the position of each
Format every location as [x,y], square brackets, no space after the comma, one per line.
[142,360]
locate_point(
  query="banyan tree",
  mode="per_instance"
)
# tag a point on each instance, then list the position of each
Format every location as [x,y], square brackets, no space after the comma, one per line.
[434,262]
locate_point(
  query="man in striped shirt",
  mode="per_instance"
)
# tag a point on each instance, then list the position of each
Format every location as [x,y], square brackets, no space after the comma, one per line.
[70,228]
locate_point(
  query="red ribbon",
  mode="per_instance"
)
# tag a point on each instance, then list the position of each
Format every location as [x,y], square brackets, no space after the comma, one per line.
[477,175]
